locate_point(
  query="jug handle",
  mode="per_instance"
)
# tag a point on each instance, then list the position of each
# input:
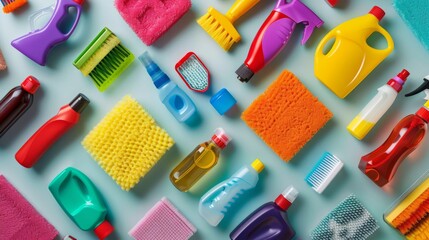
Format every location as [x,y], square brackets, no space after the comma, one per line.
[319,50]
[389,40]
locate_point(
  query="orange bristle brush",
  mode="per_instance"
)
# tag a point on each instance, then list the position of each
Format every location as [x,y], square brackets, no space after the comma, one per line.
[11,5]
[410,216]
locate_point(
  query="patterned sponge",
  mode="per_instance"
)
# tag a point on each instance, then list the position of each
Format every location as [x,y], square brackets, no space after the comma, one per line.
[163,222]
[286,116]
[127,143]
[349,220]
[19,219]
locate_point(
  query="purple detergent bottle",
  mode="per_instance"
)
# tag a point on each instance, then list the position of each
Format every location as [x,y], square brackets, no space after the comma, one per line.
[267,222]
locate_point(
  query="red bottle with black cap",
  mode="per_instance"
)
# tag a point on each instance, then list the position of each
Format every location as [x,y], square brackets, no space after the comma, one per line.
[16,102]
[51,131]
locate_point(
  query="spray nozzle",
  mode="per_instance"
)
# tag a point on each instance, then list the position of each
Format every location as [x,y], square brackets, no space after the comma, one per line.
[300,13]
[424,87]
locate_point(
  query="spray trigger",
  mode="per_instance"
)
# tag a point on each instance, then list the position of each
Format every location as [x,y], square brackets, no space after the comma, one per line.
[300,13]
[424,87]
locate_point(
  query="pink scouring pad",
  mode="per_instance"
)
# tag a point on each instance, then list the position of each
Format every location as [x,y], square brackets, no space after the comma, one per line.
[150,19]
[19,219]
[163,222]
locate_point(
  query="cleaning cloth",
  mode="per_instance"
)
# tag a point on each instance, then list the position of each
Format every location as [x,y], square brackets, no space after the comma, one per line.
[150,19]
[163,222]
[19,219]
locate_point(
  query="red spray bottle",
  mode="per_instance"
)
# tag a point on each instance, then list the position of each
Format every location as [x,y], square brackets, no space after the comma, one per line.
[381,164]
[51,131]
[275,33]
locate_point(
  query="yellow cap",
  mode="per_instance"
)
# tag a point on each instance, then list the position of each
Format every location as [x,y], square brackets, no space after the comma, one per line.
[258,165]
[427,104]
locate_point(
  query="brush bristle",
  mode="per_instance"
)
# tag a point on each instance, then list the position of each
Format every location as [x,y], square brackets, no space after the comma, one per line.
[194,73]
[10,6]
[111,42]
[219,28]
[324,172]
[411,215]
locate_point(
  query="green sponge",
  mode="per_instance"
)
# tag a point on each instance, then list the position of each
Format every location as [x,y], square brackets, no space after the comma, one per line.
[415,14]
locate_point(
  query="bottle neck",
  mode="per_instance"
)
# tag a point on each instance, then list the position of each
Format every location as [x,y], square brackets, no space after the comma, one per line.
[212,142]
[423,113]
[283,203]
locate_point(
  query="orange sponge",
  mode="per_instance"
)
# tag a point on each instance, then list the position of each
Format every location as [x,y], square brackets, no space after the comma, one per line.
[286,116]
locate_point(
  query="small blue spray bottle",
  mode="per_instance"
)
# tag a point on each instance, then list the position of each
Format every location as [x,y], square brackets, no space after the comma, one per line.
[175,99]
[215,203]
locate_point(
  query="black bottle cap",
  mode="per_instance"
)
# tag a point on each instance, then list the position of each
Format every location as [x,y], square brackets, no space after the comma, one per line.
[244,74]
[79,103]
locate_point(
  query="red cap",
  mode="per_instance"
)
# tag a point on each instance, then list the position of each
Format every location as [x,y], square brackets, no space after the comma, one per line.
[220,138]
[423,113]
[332,3]
[30,84]
[377,12]
[103,230]
[398,81]
[80,2]
[282,202]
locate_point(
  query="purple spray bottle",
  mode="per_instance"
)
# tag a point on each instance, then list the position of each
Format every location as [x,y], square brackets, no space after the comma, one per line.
[275,33]
[37,44]
[267,222]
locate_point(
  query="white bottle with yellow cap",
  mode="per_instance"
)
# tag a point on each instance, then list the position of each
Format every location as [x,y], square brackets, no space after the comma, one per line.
[216,202]
[362,124]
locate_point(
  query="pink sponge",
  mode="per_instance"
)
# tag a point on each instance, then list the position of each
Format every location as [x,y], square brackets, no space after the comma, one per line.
[150,19]
[163,222]
[19,219]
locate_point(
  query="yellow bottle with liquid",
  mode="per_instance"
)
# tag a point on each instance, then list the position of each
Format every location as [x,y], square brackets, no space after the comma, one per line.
[203,158]
[350,59]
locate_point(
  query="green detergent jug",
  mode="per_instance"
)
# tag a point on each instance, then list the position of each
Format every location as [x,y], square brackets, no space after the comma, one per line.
[82,202]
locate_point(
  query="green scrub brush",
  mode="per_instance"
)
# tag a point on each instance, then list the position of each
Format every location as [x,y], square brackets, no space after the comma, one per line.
[104,59]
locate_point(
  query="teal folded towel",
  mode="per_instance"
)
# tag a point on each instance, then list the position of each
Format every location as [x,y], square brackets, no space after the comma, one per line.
[415,14]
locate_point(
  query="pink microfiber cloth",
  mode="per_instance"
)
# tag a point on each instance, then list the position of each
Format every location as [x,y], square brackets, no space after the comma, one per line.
[150,19]
[163,222]
[19,219]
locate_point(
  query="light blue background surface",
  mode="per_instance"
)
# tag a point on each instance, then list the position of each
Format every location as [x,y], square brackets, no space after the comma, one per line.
[61,82]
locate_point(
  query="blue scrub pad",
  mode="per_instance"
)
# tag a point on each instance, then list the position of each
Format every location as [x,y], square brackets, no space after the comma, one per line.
[349,220]
[415,15]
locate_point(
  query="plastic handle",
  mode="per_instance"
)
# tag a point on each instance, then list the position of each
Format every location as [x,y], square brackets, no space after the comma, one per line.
[239,8]
[36,45]
[319,50]
[389,40]
[61,10]
[47,135]
[37,15]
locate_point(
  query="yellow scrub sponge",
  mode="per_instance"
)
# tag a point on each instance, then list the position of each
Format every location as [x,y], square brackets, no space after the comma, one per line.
[127,143]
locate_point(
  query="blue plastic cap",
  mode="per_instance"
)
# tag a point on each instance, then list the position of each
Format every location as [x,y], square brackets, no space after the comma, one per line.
[159,78]
[223,101]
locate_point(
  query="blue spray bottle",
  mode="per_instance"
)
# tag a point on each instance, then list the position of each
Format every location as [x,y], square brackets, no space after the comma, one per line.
[175,99]
[215,203]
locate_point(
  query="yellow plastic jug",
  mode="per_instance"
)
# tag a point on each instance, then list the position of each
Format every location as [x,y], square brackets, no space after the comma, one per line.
[351,59]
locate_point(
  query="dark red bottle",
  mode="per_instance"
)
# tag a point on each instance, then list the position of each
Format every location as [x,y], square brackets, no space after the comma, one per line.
[16,102]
